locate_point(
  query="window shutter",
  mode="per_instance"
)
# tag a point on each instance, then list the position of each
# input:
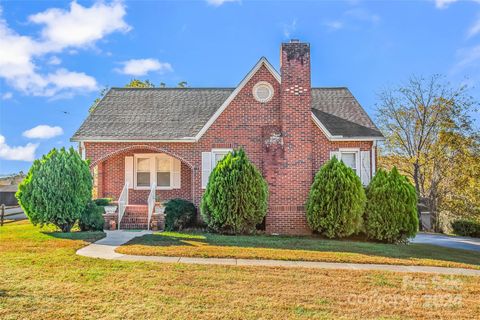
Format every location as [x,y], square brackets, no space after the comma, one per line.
[176,173]
[206,168]
[129,171]
[335,154]
[365,167]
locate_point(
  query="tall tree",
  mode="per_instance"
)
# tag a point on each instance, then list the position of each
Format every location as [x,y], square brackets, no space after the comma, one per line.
[421,120]
[135,83]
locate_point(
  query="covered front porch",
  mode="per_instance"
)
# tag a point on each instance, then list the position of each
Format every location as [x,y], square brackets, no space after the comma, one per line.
[139,181]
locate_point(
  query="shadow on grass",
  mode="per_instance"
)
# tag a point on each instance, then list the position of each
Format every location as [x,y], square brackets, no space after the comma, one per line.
[308,245]
[87,236]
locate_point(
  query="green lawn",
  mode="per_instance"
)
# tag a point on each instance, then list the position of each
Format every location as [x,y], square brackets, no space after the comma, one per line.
[297,248]
[41,277]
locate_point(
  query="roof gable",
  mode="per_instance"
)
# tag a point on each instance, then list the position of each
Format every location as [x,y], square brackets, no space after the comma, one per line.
[262,62]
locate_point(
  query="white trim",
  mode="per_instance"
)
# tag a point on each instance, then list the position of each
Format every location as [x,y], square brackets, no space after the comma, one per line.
[84,152]
[266,84]
[223,151]
[373,159]
[357,156]
[341,138]
[189,139]
[262,62]
[323,128]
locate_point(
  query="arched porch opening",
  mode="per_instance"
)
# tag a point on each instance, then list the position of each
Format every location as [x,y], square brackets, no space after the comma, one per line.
[141,166]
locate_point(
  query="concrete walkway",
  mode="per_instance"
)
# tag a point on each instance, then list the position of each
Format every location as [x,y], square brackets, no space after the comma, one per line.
[443,240]
[105,249]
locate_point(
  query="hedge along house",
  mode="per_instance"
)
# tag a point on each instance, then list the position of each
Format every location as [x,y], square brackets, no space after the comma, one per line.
[144,142]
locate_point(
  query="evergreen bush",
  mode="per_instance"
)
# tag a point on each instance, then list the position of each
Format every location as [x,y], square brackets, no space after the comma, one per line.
[235,200]
[102,201]
[391,211]
[336,201]
[179,214]
[91,218]
[466,227]
[56,189]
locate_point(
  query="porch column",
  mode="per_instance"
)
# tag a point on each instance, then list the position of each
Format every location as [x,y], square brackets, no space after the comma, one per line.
[100,180]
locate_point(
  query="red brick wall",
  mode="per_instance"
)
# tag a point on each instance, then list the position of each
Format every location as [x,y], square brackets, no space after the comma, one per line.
[288,164]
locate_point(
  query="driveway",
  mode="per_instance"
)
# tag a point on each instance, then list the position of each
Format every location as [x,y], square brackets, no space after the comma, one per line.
[442,240]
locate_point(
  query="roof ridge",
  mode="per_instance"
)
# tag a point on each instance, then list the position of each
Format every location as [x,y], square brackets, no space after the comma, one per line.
[189,88]
[331,88]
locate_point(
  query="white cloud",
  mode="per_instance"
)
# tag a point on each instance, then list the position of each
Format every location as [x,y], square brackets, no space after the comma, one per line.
[442,4]
[334,25]
[7,96]
[21,153]
[43,132]
[363,15]
[290,28]
[217,3]
[140,67]
[54,60]
[468,57]
[474,29]
[78,27]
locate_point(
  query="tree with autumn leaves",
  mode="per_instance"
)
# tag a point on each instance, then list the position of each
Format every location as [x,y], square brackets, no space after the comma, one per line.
[431,138]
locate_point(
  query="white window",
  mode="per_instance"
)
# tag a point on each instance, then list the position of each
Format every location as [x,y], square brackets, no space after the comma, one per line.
[349,156]
[143,172]
[350,159]
[218,155]
[209,161]
[358,160]
[164,169]
[158,168]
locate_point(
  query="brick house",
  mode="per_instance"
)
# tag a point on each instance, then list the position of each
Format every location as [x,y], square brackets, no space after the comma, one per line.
[164,142]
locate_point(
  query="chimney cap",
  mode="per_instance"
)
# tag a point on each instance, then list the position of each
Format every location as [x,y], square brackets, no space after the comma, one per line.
[294,41]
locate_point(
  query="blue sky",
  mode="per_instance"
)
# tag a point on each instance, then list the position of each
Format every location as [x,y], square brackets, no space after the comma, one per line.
[56,56]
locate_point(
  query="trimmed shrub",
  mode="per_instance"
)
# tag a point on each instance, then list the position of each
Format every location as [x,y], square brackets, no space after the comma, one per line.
[235,200]
[57,189]
[391,211]
[336,201]
[467,228]
[102,201]
[92,218]
[179,214]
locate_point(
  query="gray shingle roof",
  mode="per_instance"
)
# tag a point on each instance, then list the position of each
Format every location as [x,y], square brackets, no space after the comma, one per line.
[151,114]
[339,111]
[178,113]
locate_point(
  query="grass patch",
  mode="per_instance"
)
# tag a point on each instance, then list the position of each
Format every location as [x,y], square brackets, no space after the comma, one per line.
[297,248]
[43,278]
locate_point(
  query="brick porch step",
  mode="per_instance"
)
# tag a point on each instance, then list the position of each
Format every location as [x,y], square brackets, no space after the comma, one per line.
[136,217]
[136,208]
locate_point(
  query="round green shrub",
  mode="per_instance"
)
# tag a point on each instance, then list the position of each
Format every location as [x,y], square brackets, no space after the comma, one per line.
[336,201]
[102,201]
[235,200]
[466,227]
[179,214]
[92,217]
[391,211]
[56,189]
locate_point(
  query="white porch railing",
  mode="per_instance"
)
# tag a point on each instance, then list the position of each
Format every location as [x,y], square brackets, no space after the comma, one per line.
[122,203]
[151,204]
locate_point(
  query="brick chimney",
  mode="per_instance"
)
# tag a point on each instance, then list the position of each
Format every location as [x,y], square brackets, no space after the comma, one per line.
[295,172]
